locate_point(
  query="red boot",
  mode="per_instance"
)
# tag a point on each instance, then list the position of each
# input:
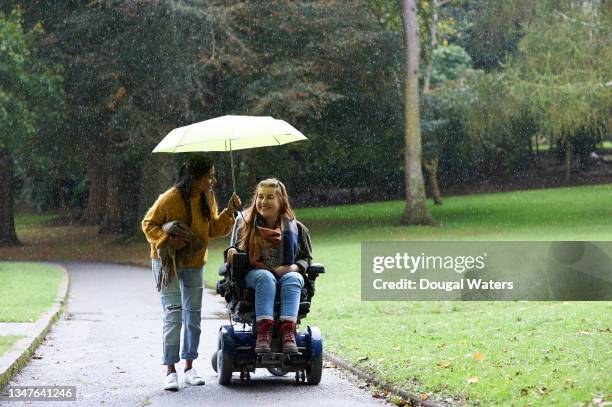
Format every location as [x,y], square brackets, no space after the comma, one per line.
[287,331]
[264,335]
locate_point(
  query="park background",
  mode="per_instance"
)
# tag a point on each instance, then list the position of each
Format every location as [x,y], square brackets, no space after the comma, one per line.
[514,96]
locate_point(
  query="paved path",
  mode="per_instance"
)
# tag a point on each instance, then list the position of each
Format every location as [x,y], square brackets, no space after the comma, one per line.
[108,345]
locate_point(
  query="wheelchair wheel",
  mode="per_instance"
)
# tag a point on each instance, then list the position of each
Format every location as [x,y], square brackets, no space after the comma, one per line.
[213,361]
[315,370]
[225,364]
[224,368]
[277,371]
[315,362]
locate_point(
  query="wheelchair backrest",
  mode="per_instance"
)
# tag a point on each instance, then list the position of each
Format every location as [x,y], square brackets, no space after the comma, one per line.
[234,234]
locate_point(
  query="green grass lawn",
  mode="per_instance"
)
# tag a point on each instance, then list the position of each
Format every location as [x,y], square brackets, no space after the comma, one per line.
[25,221]
[27,290]
[7,341]
[508,353]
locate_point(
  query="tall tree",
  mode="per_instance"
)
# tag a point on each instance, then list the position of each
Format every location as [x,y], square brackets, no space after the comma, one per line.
[555,84]
[416,212]
[27,89]
[135,70]
[312,63]
[562,70]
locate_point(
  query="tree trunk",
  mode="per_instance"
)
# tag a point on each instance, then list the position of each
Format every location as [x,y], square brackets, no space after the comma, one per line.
[433,33]
[98,169]
[122,199]
[432,175]
[416,212]
[8,236]
[568,158]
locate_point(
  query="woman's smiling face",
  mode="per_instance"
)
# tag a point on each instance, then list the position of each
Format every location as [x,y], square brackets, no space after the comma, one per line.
[267,203]
[205,183]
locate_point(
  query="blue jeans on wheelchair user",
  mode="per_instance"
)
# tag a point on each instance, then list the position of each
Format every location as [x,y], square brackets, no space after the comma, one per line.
[182,303]
[265,282]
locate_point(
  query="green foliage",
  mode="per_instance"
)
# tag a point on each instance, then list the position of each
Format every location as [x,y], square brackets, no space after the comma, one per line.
[31,101]
[135,70]
[328,69]
[29,90]
[562,68]
[554,86]
[491,29]
[449,63]
[445,133]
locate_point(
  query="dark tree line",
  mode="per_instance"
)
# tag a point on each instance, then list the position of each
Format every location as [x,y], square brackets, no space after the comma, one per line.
[104,81]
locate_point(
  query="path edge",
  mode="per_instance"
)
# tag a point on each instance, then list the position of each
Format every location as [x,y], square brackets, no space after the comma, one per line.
[412,399]
[22,351]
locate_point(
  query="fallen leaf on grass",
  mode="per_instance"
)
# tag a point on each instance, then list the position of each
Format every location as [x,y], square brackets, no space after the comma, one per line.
[398,401]
[584,333]
[478,356]
[444,365]
[599,401]
[472,380]
[362,358]
[542,390]
[604,330]
[424,396]
[378,394]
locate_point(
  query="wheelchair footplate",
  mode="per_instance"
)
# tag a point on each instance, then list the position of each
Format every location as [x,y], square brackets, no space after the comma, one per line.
[277,359]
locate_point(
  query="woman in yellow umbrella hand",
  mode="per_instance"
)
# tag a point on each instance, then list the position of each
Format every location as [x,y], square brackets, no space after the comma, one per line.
[191,202]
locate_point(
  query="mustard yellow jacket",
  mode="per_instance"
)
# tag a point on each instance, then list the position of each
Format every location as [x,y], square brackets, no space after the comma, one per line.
[170,206]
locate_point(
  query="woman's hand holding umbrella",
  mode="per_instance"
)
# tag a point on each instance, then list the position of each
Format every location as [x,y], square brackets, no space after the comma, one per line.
[234,203]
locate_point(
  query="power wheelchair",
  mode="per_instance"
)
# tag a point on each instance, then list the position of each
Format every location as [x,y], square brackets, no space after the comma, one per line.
[236,340]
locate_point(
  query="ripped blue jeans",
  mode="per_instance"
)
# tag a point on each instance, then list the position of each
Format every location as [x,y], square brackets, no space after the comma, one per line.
[182,303]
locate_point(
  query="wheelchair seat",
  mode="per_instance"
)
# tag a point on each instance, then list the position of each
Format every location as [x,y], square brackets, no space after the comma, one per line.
[241,299]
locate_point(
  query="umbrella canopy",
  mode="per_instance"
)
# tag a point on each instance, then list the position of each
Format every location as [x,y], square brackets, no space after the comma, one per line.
[229,133]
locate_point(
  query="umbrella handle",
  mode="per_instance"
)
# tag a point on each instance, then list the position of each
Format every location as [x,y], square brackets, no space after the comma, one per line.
[232,163]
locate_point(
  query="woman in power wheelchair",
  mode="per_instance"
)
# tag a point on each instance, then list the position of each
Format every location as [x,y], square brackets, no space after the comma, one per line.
[268,284]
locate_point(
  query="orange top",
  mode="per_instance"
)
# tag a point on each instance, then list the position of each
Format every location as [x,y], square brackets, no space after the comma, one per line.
[170,206]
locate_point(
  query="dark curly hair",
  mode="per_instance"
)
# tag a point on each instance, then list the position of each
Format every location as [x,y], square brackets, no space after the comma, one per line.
[196,166]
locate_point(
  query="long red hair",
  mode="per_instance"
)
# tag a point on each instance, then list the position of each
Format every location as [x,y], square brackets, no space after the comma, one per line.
[248,231]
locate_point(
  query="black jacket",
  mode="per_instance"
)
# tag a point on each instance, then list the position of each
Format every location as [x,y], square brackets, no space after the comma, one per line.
[303,257]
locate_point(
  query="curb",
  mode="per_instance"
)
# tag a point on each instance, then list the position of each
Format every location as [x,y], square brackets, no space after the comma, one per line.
[413,400]
[21,352]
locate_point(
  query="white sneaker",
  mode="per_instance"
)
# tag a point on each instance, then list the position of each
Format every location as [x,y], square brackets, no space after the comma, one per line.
[171,382]
[192,378]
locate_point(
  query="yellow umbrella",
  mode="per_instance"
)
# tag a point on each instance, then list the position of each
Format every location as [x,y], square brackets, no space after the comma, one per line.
[229,133]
